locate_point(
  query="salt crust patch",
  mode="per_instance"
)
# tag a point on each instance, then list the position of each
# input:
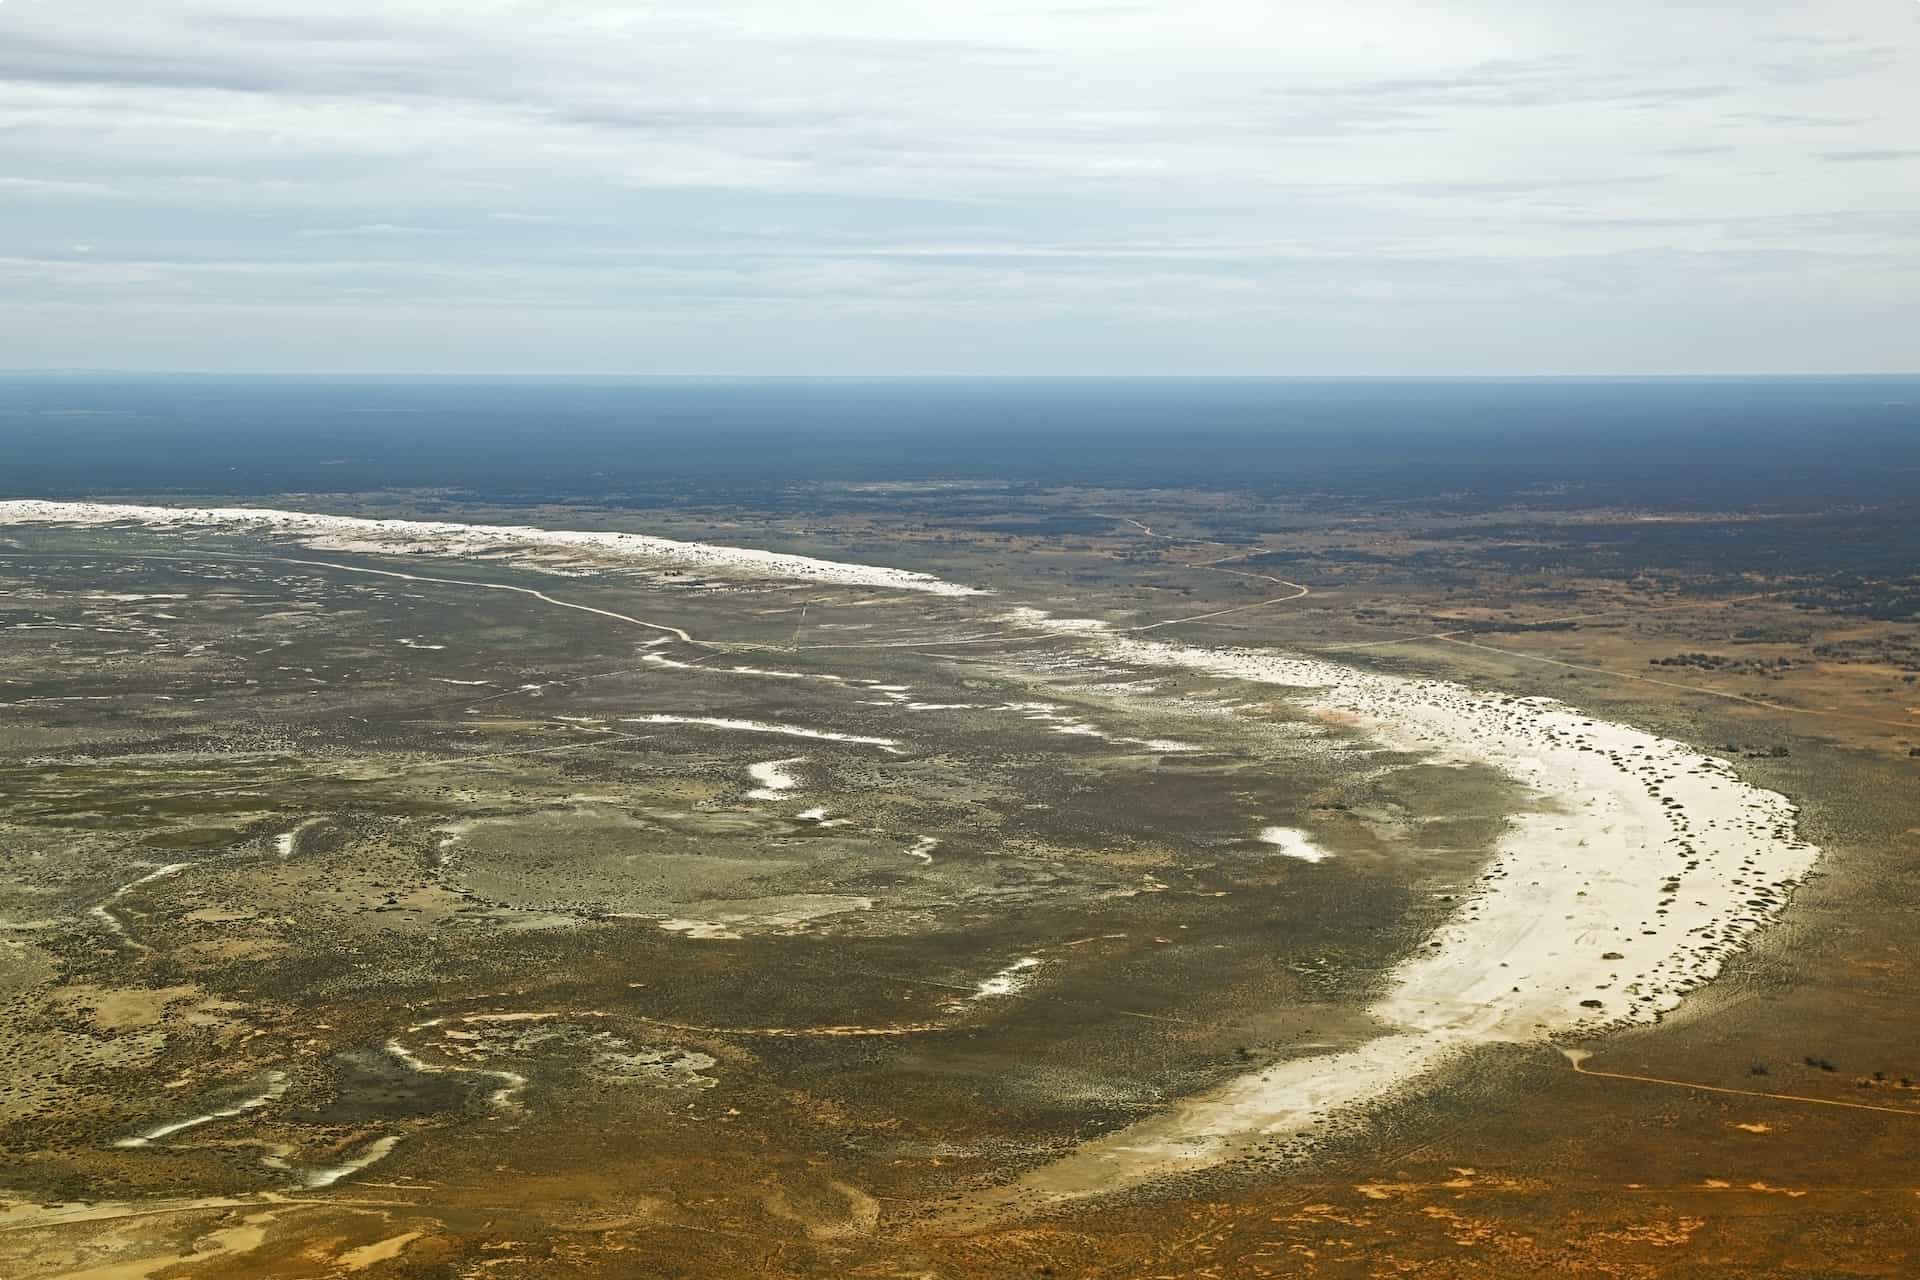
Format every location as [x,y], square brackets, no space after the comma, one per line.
[1636,868]
[773,778]
[999,985]
[433,537]
[1291,842]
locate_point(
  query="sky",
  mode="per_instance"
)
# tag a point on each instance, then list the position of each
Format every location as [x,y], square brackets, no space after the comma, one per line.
[875,187]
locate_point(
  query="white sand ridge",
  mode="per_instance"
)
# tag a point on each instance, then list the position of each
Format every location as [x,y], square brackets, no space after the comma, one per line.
[1639,866]
[435,537]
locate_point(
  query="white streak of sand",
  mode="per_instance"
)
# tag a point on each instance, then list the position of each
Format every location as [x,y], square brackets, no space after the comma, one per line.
[287,842]
[501,1099]
[373,1153]
[762,726]
[1009,981]
[1636,869]
[764,673]
[104,911]
[1291,842]
[433,537]
[276,1087]
[1059,720]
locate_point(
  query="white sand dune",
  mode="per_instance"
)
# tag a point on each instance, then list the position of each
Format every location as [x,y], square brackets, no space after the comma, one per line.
[433,537]
[1637,868]
[761,726]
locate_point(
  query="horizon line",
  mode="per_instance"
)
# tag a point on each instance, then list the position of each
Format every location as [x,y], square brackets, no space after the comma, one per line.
[535,375]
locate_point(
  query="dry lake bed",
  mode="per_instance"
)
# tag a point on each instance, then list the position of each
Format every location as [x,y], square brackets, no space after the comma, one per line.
[601,894]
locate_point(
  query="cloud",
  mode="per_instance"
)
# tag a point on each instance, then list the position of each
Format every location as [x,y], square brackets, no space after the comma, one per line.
[377,229]
[57,187]
[916,169]
[1872,154]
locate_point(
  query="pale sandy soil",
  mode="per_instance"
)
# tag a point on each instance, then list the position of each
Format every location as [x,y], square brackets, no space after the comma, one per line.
[1638,866]
[428,537]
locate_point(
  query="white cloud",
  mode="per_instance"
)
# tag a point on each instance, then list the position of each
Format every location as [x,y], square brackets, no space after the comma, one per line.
[917,169]
[366,229]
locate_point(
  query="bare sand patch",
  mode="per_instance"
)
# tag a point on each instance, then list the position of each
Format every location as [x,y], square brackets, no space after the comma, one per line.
[1637,868]
[433,537]
[1291,842]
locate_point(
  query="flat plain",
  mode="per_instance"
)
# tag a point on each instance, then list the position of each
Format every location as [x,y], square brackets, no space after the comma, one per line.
[1151,882]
